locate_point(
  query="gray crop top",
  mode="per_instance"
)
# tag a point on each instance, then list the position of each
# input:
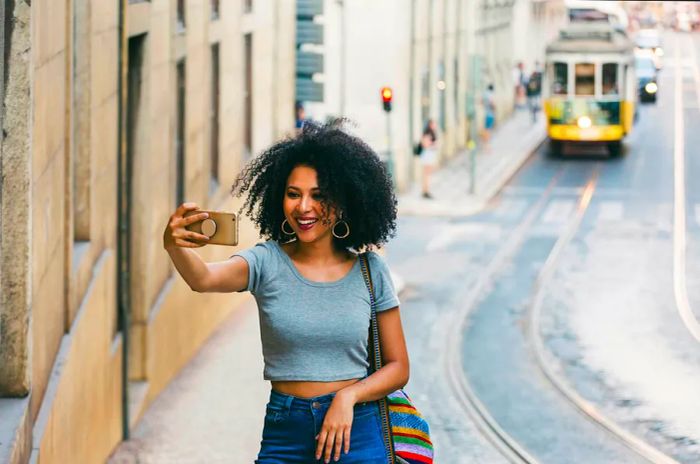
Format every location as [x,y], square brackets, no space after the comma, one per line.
[313,331]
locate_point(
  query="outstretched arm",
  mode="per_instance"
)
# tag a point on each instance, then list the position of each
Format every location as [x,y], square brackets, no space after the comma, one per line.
[224,276]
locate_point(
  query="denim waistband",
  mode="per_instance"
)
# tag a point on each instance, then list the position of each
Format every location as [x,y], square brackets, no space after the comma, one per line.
[294,403]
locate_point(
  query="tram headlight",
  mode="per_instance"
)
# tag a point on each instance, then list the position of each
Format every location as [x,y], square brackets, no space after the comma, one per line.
[584,122]
[658,51]
[651,87]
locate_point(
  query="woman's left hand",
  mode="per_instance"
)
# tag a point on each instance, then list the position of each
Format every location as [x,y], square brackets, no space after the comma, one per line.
[335,431]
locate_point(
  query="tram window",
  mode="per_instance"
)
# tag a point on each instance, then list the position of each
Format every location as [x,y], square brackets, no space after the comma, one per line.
[560,78]
[610,85]
[585,79]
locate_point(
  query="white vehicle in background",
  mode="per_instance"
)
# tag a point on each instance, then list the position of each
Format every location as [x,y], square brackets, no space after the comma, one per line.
[683,22]
[650,39]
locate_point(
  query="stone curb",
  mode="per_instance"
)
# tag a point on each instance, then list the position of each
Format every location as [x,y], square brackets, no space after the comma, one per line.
[515,162]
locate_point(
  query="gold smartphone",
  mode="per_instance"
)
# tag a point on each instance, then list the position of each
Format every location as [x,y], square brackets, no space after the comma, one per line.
[220,227]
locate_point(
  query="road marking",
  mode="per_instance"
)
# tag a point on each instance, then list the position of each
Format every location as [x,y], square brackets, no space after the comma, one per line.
[558,211]
[664,217]
[610,211]
[515,190]
[680,289]
[522,190]
[454,233]
[511,208]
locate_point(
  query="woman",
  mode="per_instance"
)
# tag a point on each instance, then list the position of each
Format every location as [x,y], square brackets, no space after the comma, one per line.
[428,157]
[316,198]
[489,117]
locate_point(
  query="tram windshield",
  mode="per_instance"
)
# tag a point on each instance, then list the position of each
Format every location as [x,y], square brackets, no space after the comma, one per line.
[585,79]
[610,82]
[559,77]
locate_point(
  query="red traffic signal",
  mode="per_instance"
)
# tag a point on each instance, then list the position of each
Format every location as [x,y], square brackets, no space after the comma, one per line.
[387,95]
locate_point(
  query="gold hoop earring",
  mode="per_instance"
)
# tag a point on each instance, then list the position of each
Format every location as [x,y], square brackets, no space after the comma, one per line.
[347,229]
[284,231]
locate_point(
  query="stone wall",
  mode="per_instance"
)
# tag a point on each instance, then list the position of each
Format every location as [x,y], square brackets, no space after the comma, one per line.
[15,228]
[59,332]
[15,211]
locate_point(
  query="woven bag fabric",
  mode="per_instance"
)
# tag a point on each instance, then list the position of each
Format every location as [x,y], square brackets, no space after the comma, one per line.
[409,430]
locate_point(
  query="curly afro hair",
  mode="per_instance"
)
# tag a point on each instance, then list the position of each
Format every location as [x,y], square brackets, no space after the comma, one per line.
[351,179]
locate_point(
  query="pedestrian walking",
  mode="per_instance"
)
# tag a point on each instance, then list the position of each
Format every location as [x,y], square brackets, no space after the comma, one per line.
[429,154]
[519,79]
[489,105]
[318,199]
[534,91]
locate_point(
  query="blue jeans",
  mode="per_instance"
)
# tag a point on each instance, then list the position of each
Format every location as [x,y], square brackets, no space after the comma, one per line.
[291,426]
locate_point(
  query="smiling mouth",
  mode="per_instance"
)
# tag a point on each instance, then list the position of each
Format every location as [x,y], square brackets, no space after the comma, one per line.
[306,224]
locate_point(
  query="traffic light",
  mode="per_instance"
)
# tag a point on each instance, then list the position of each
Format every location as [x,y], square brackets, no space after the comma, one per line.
[387,95]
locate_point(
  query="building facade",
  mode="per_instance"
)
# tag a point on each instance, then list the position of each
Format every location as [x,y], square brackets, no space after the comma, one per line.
[416,48]
[437,56]
[112,114]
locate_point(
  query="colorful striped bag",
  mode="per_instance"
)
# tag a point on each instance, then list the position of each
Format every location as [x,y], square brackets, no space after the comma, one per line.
[406,432]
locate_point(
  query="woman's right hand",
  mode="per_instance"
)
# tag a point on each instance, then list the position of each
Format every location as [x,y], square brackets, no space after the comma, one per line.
[176,235]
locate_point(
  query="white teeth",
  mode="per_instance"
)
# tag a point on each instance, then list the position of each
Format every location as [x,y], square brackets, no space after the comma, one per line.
[306,222]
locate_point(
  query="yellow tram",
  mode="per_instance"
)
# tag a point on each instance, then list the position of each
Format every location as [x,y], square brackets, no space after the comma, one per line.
[590,87]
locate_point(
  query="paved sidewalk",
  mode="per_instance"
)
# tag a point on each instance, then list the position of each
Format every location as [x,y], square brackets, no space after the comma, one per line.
[511,144]
[212,412]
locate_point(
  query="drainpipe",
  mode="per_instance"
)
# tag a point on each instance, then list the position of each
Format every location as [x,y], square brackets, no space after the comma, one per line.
[122,60]
[431,85]
[411,91]
[343,44]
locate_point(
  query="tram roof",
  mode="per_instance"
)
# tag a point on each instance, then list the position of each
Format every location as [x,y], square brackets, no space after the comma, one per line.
[591,38]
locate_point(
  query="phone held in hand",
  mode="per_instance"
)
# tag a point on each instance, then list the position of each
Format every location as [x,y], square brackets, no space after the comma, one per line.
[220,227]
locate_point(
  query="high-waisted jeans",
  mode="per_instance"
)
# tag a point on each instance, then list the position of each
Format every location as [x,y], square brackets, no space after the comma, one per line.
[291,426]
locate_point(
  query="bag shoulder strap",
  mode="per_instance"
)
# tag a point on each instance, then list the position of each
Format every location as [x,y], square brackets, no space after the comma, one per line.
[374,346]
[375,357]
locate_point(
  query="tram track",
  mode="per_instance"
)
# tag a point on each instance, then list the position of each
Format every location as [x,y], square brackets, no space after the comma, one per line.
[591,412]
[458,379]
[461,387]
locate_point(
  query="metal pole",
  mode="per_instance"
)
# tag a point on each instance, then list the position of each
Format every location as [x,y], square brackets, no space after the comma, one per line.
[475,69]
[343,40]
[430,61]
[389,151]
[472,158]
[411,92]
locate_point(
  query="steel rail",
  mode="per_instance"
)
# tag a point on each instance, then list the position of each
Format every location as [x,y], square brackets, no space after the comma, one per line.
[455,325]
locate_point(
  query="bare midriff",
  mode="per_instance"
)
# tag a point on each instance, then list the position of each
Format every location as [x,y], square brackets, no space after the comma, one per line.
[310,389]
